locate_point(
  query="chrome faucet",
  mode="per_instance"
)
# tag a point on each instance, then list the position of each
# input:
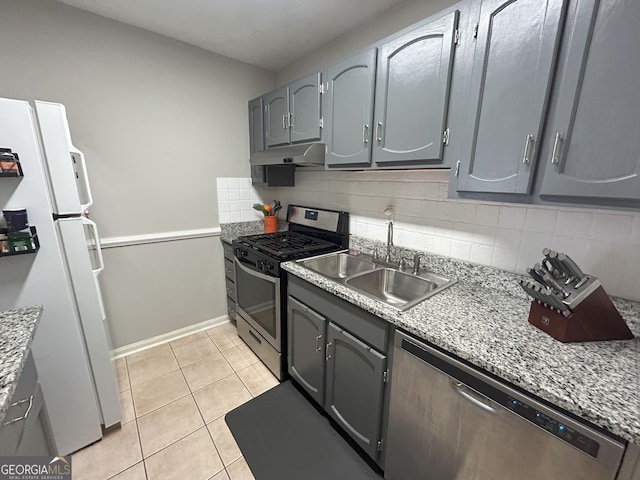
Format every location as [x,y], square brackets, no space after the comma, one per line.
[416,262]
[387,258]
[386,261]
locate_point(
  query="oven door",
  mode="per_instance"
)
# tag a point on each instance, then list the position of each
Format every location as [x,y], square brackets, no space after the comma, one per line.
[258,301]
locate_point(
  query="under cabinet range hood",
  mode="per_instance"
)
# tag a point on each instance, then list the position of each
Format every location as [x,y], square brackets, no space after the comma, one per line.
[308,155]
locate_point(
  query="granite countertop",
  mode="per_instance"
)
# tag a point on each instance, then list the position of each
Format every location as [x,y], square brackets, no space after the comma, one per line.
[230,231]
[483,319]
[17,329]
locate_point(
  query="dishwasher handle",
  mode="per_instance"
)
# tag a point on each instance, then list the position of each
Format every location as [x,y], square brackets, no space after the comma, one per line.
[473,396]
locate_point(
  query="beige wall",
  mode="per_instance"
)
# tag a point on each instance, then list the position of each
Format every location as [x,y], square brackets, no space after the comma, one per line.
[383,25]
[158,121]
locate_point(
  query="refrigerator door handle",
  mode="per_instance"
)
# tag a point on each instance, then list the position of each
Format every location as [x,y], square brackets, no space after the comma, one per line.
[96,239]
[85,179]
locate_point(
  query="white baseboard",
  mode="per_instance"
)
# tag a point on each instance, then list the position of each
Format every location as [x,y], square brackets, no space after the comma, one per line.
[168,337]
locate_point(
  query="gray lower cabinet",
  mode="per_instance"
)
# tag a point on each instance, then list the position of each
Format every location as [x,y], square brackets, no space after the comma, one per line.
[256,126]
[512,69]
[306,330]
[593,142]
[355,387]
[230,280]
[338,354]
[347,105]
[412,94]
[25,429]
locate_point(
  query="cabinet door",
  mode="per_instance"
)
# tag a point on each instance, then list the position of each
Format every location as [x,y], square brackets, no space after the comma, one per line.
[35,439]
[513,66]
[594,136]
[306,344]
[304,108]
[412,95]
[355,387]
[276,117]
[256,129]
[347,106]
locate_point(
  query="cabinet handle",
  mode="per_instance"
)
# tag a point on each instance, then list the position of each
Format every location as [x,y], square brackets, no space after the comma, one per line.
[365,129]
[378,127]
[327,348]
[318,346]
[290,115]
[26,414]
[556,147]
[284,124]
[527,144]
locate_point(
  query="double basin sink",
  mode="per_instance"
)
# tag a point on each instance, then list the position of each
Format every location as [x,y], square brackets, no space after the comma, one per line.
[398,289]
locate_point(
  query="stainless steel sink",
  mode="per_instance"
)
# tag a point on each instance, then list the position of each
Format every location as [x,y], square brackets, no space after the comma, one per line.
[340,265]
[393,287]
[398,289]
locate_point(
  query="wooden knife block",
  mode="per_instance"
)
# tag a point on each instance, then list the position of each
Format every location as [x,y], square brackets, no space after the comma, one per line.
[595,318]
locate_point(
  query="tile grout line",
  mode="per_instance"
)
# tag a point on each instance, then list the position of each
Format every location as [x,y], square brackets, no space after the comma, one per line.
[205,423]
[135,418]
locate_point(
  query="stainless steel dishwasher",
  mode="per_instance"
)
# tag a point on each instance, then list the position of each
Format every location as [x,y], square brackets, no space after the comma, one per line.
[448,421]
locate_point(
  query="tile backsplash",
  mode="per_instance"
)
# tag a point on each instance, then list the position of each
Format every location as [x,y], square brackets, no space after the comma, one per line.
[605,243]
[235,199]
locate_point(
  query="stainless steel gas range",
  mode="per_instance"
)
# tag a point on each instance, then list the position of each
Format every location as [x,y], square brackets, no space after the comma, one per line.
[261,285]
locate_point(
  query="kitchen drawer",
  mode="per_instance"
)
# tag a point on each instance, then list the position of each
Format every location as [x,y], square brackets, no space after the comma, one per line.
[367,327]
[229,269]
[228,250]
[231,308]
[10,434]
[231,289]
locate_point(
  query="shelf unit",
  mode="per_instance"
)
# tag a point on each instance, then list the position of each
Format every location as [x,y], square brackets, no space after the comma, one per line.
[10,166]
[34,242]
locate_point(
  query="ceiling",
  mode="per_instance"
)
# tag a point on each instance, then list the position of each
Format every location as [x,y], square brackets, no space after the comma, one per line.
[267,33]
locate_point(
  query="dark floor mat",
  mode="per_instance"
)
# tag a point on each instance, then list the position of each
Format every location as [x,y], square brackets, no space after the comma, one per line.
[283,437]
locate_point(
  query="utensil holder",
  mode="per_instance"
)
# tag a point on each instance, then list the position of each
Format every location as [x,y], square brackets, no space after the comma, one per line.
[270,224]
[594,319]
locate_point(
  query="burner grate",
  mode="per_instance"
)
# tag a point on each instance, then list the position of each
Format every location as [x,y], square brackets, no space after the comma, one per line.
[287,244]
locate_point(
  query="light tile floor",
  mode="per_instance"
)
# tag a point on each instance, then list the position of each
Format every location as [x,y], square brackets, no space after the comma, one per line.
[173,399]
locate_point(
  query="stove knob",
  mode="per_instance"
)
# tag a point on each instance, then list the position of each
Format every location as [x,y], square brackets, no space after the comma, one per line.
[268,265]
[241,253]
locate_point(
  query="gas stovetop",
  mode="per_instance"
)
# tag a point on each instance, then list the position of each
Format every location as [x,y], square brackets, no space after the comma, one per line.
[288,245]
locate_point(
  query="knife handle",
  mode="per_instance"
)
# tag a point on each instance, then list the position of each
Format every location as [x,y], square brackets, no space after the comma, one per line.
[570,265]
[534,275]
[549,280]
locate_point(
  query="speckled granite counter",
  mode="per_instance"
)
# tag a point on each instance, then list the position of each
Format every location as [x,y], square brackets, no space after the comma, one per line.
[17,328]
[475,320]
[230,231]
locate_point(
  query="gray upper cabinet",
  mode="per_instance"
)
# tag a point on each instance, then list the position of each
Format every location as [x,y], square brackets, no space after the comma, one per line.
[348,110]
[594,141]
[355,385]
[292,113]
[412,94]
[256,126]
[305,347]
[512,69]
[276,117]
[304,109]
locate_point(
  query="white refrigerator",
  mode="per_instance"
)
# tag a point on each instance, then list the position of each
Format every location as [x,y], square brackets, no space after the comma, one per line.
[72,346]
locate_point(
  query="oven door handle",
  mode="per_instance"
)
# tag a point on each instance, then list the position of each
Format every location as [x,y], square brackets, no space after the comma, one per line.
[255,273]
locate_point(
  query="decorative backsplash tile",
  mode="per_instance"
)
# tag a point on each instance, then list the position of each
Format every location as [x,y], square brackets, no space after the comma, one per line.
[605,243]
[508,236]
[235,199]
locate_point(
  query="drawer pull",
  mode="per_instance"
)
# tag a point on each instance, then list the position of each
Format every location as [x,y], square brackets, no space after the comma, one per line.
[26,414]
[255,337]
